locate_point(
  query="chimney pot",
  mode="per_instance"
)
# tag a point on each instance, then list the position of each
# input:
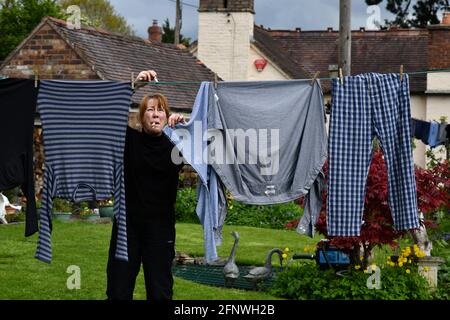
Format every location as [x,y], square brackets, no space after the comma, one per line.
[362,29]
[330,29]
[446,18]
[155,32]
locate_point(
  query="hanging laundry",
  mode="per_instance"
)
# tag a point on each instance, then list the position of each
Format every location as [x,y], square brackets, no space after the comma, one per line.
[442,136]
[366,106]
[283,167]
[84,126]
[420,130]
[17,110]
[211,202]
[430,133]
[267,145]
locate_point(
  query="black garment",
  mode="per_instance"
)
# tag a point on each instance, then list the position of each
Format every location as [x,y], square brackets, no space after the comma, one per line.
[17,109]
[151,181]
[155,253]
[151,178]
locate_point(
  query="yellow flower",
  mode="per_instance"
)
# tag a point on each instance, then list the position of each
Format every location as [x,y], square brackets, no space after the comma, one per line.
[357,267]
[426,269]
[361,258]
[392,264]
[408,271]
[409,261]
[400,264]
[389,258]
[286,249]
[284,255]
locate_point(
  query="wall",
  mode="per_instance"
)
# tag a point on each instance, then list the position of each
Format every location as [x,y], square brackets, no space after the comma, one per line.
[270,72]
[438,84]
[54,58]
[418,111]
[224,43]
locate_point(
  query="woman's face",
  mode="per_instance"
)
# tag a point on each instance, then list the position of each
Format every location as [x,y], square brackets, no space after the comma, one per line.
[154,118]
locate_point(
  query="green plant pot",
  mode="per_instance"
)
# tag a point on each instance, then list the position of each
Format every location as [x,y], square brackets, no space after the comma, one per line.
[62,216]
[107,212]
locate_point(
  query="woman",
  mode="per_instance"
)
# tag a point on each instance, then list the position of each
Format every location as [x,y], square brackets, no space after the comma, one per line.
[151,180]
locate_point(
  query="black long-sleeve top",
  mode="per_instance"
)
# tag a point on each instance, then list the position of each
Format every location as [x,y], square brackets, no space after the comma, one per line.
[151,179]
[17,109]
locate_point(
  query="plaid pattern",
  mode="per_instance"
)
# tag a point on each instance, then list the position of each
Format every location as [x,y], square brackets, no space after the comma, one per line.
[364,106]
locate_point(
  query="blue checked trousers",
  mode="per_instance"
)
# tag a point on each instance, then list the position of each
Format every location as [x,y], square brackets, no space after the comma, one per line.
[365,106]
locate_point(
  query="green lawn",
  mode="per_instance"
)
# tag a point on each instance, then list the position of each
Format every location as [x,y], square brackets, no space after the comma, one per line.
[85,244]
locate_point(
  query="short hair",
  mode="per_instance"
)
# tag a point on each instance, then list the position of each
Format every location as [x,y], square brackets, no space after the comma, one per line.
[162,103]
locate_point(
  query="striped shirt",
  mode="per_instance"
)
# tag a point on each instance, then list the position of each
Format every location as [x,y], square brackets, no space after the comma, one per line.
[84,125]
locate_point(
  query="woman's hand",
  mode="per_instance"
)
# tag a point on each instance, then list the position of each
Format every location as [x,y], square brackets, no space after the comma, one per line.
[174,119]
[148,75]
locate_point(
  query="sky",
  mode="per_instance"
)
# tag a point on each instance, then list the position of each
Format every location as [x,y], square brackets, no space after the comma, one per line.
[274,14]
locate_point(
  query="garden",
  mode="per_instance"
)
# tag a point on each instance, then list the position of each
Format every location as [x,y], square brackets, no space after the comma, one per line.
[394,257]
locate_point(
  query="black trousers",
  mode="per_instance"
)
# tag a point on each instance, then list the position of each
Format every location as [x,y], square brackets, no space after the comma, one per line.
[149,244]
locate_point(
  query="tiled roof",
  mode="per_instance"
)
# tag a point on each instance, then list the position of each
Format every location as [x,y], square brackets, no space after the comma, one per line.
[115,56]
[372,51]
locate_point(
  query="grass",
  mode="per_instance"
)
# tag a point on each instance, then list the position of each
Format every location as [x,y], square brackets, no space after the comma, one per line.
[85,244]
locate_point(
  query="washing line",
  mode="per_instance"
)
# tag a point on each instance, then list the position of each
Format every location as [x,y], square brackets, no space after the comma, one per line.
[413,73]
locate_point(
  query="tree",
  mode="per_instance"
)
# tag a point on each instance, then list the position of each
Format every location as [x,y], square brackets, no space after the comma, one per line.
[433,185]
[424,12]
[169,34]
[100,14]
[19,17]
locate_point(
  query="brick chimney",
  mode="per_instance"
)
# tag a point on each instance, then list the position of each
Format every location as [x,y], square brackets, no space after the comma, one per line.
[439,56]
[155,32]
[227,6]
[446,18]
[439,44]
[225,29]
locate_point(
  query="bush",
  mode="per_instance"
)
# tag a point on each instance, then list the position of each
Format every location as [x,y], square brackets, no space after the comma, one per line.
[443,290]
[307,282]
[17,217]
[269,216]
[185,206]
[12,194]
[61,205]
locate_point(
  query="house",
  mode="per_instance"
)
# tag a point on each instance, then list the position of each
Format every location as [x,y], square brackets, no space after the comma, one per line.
[230,44]
[55,51]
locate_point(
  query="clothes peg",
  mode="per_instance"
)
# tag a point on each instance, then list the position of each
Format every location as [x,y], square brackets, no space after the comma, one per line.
[132,80]
[316,75]
[401,72]
[36,77]
[341,77]
[215,80]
